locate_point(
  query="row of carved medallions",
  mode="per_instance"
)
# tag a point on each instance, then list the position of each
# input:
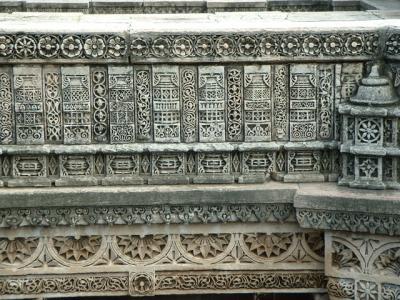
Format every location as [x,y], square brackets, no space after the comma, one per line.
[151,214]
[90,46]
[125,104]
[160,168]
[149,283]
[347,288]
[235,249]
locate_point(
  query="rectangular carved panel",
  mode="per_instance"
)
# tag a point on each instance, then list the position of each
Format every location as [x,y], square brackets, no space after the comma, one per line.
[281,103]
[189,96]
[76,105]
[303,102]
[166,104]
[100,113]
[142,75]
[234,89]
[122,105]
[211,104]
[257,103]
[6,106]
[326,100]
[28,99]
[53,103]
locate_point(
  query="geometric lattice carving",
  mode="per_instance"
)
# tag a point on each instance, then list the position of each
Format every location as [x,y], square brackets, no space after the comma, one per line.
[76,105]
[29,114]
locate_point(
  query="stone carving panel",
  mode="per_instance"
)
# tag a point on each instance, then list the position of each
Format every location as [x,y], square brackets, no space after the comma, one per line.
[122,105]
[29,110]
[6,106]
[258,103]
[100,110]
[212,104]
[166,104]
[53,104]
[76,105]
[303,102]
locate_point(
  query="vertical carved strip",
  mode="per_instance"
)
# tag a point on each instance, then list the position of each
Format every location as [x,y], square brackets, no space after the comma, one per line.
[211,104]
[257,103]
[76,105]
[338,71]
[100,117]
[234,104]
[6,107]
[166,104]
[303,102]
[143,102]
[189,104]
[326,101]
[281,102]
[122,105]
[28,105]
[53,102]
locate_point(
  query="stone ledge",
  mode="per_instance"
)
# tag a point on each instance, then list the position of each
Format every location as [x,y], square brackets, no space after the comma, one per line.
[318,206]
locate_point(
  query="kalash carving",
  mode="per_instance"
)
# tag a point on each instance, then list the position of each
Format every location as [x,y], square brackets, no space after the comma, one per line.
[370,145]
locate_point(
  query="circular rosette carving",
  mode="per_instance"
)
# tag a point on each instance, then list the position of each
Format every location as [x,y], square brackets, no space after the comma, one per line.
[161,47]
[25,46]
[137,249]
[18,251]
[48,46]
[204,46]
[311,45]
[206,246]
[139,47]
[77,249]
[141,283]
[393,44]
[182,47]
[116,47]
[225,46]
[247,46]
[369,131]
[290,45]
[6,46]
[267,246]
[333,45]
[71,46]
[268,45]
[94,47]
[354,44]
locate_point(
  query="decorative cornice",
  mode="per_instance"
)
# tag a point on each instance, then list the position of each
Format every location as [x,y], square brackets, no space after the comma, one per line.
[114,47]
[261,45]
[157,214]
[349,221]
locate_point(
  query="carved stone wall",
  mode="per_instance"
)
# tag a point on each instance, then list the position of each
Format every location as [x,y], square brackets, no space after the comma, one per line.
[229,98]
[362,266]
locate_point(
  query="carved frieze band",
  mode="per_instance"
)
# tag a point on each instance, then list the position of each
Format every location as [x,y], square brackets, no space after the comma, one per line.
[373,223]
[162,167]
[155,261]
[137,284]
[114,47]
[160,103]
[162,214]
